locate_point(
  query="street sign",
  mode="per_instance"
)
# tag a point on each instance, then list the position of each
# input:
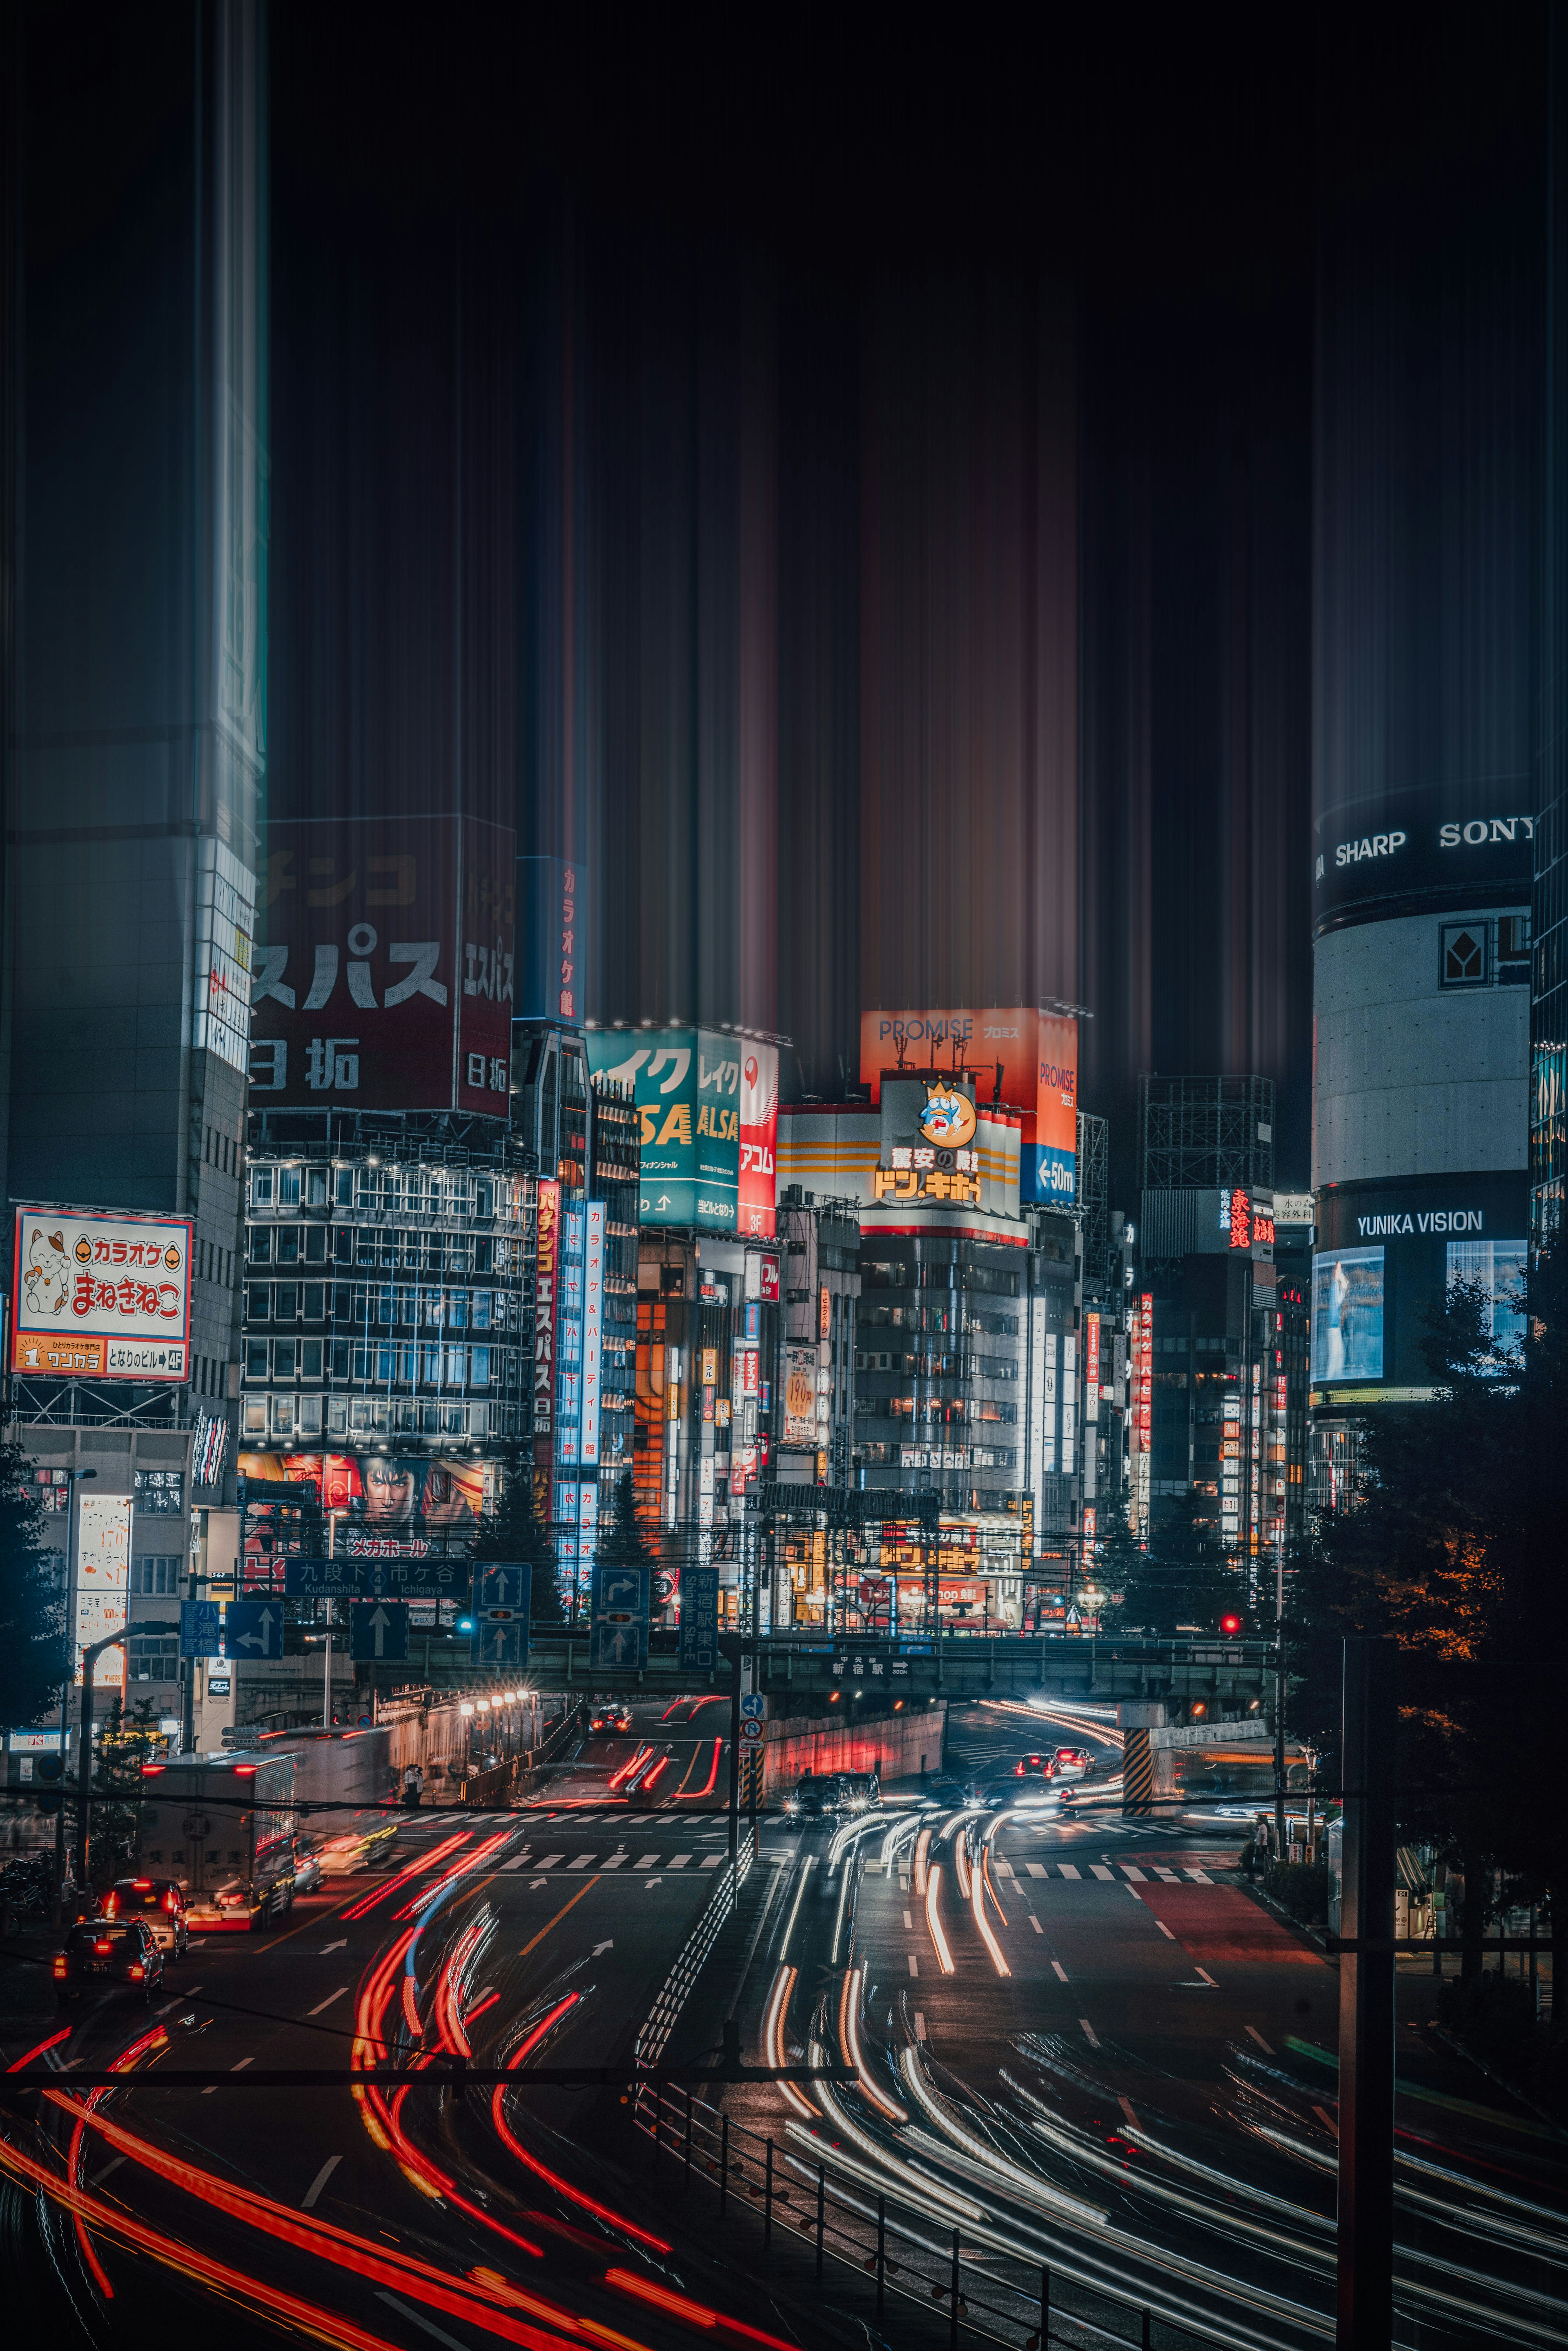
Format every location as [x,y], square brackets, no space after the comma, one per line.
[620,1628]
[499,1641]
[751,1703]
[253,1628]
[751,1728]
[199,1634]
[699,1619]
[502,1583]
[379,1628]
[331,1579]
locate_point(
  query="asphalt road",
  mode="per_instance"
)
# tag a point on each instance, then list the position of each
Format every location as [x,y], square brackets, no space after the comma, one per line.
[1113,2019]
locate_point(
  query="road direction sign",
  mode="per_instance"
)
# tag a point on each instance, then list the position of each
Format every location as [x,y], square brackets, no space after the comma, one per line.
[379,1628]
[499,1641]
[751,1703]
[620,1627]
[502,1583]
[331,1579]
[699,1619]
[199,1635]
[254,1628]
[751,1728]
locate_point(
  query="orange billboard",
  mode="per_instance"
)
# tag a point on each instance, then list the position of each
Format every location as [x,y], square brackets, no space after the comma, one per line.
[1039,1056]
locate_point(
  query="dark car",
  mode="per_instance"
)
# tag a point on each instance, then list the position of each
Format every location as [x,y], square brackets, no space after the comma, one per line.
[109,1952]
[159,1903]
[614,1716]
[1072,1762]
[817,1796]
[1035,1767]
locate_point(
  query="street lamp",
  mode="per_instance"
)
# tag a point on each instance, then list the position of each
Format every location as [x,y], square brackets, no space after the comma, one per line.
[73,1479]
[89,1657]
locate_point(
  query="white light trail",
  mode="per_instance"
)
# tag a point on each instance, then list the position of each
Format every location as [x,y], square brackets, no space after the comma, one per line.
[850,2042]
[933,1919]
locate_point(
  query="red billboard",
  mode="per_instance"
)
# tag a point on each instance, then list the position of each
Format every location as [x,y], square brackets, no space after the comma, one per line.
[383,974]
[758,1140]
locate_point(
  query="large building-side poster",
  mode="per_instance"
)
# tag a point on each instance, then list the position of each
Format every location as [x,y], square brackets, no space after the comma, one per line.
[383,975]
[101,1296]
[1036,1054]
[701,1095]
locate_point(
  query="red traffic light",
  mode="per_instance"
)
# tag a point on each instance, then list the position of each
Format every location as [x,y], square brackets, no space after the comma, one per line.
[1230,1623]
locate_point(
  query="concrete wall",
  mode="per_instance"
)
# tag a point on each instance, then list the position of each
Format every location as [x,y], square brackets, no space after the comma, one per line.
[895,1746]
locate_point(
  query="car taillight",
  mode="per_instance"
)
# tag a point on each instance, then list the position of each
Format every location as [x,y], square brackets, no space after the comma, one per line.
[138,1970]
[103,1950]
[109,1905]
[168,1901]
[142,1885]
[60,1963]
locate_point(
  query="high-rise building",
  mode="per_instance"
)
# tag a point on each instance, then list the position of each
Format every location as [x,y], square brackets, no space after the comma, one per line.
[134,656]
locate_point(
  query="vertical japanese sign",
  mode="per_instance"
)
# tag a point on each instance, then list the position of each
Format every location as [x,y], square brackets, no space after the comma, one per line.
[550,895]
[569,1339]
[592,1329]
[719,1130]
[1091,1359]
[103,1580]
[385,981]
[1054,1172]
[98,1296]
[662,1071]
[758,1140]
[699,1619]
[1142,1410]
[546,1274]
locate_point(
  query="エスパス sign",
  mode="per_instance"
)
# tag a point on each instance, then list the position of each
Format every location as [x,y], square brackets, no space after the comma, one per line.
[101,1296]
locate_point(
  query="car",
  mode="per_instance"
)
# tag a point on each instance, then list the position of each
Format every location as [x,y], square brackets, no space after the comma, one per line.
[109,1952]
[613,1718]
[307,1865]
[860,1790]
[817,1796]
[1073,1763]
[159,1903]
[1035,1767]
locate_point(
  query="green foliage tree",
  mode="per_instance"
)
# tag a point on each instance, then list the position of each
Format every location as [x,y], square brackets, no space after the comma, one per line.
[1184,1578]
[625,1545]
[514,1530]
[33,1650]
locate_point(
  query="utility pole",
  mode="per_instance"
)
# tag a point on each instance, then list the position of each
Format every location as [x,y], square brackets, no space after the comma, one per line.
[73,1523]
[1364,2263]
[1280,1698]
[89,1657]
[730,1646]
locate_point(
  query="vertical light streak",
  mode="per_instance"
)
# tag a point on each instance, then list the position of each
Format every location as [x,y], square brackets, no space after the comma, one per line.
[773,2038]
[850,2042]
[933,1920]
[795,1906]
[922,1847]
[977,1882]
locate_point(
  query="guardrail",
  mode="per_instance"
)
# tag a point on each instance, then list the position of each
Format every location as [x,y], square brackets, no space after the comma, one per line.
[676,1988]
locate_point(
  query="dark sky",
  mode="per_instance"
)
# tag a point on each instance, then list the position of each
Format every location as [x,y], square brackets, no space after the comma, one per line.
[853,491]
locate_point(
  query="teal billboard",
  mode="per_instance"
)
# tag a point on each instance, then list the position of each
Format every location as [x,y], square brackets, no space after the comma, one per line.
[686,1083]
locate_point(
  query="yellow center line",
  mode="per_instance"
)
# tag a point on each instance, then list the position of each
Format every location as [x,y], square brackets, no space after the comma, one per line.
[586,1887]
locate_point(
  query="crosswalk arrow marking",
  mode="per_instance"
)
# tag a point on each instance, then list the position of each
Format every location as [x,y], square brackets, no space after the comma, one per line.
[329,1947]
[600,1948]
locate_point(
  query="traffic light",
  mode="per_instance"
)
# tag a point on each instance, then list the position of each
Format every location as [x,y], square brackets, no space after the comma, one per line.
[1230,1625]
[48,1800]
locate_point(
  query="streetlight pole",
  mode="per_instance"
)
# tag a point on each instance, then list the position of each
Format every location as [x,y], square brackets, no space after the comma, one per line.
[73,1479]
[1280,1698]
[89,1657]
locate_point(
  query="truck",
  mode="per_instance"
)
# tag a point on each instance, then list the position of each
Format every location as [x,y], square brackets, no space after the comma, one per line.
[224,1825]
[345,1789]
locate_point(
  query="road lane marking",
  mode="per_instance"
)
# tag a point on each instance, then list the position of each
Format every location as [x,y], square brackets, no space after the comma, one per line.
[1126,2106]
[1034,1922]
[614,1860]
[535,1882]
[913,1965]
[710,1862]
[549,1860]
[1004,1869]
[1068,1870]
[651,1881]
[1205,1974]
[520,1862]
[316,2185]
[586,1887]
[1035,1868]
[1089,2033]
[1098,1869]
[908,1922]
[331,1996]
[678,1861]
[407,2309]
[1167,1877]
[1200,1877]
[1061,1971]
[1326,2119]
[1135,1874]
[1258,2037]
[580,1863]
[919,2026]
[645,1861]
[1165,1930]
[112,2164]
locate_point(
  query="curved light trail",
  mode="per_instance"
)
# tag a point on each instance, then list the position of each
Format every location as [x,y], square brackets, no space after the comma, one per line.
[933,1920]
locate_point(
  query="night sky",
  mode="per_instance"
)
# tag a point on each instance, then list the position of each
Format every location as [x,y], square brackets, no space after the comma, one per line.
[856,498]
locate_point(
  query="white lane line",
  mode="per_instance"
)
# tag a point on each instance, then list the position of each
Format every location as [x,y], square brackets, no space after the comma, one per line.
[316,2185]
[580,1863]
[1098,1869]
[1205,1974]
[407,2309]
[645,1861]
[112,2164]
[1167,1877]
[1165,1930]
[908,1925]
[331,1996]
[546,1861]
[1004,1869]
[652,1881]
[677,1860]
[1061,1971]
[535,1882]
[1126,2106]
[913,1965]
[1034,1922]
[1068,1871]
[326,1949]
[614,1861]
[1135,1874]
[1089,2033]
[1200,1877]
[710,1862]
[919,2026]
[1258,2037]
[1035,1868]
[1327,2120]
[241,2066]
[522,1859]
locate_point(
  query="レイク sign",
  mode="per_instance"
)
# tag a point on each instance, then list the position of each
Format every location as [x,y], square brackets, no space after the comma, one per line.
[101,1296]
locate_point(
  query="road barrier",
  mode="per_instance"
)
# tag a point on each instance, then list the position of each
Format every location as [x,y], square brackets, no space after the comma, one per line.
[677,1985]
[1137,1773]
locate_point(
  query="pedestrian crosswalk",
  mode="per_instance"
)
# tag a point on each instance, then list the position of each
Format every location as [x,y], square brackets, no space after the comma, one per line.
[1104,1871]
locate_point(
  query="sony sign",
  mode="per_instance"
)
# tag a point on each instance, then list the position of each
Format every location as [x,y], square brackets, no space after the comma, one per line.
[1407,843]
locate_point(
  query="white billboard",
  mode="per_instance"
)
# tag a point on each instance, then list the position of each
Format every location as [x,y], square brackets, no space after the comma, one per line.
[100,1295]
[103,1580]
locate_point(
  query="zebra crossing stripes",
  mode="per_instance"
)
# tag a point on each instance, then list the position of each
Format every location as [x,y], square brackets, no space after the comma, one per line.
[1106,1872]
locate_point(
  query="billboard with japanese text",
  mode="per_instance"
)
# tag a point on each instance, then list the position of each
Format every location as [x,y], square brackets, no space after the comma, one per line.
[383,974]
[756,1195]
[687,1084]
[101,1296]
[551,900]
[1019,1056]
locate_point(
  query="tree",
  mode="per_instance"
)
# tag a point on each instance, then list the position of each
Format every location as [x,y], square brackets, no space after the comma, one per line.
[625,1545]
[126,1742]
[515,1530]
[33,1649]
[1184,1578]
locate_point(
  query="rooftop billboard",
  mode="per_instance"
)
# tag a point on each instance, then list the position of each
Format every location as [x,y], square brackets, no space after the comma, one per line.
[707,1104]
[101,1296]
[1038,1053]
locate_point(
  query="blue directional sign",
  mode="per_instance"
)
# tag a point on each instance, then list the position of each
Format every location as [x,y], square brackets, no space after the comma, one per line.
[378,1628]
[502,1583]
[199,1634]
[499,1641]
[699,1618]
[619,1636]
[253,1628]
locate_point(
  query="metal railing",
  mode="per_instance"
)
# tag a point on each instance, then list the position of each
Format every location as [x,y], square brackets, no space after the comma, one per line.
[676,1987]
[904,2248]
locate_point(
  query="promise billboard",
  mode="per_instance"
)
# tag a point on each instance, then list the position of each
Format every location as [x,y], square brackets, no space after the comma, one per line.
[1038,1054]
[386,979]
